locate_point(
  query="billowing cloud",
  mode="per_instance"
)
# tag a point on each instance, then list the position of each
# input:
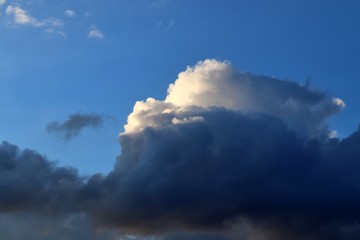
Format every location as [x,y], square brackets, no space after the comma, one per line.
[226,155]
[70,13]
[95,33]
[30,182]
[22,17]
[75,124]
[218,84]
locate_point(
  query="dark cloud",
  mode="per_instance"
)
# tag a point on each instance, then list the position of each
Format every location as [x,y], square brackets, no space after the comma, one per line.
[203,169]
[34,227]
[75,124]
[209,174]
[30,182]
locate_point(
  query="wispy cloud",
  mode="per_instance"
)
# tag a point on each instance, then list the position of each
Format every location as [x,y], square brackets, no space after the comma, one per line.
[2,2]
[159,3]
[70,13]
[55,33]
[166,24]
[95,33]
[23,17]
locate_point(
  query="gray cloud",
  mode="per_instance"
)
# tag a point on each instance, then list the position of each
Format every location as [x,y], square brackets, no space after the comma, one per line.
[206,168]
[75,124]
[34,227]
[30,182]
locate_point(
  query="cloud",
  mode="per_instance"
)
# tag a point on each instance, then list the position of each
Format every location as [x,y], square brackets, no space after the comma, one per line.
[75,124]
[226,155]
[70,13]
[166,25]
[95,33]
[22,17]
[74,226]
[55,33]
[30,182]
[158,3]
[218,84]
[2,2]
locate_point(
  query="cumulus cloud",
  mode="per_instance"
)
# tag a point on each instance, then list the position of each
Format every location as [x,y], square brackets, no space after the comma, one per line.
[22,17]
[30,182]
[95,33]
[70,13]
[219,84]
[227,155]
[75,124]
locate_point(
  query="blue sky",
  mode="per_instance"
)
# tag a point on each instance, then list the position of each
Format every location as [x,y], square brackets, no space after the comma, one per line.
[52,66]
[72,71]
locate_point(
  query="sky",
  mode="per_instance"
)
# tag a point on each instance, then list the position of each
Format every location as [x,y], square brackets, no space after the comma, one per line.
[170,119]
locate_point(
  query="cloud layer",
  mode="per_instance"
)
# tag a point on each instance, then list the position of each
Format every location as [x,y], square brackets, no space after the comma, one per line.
[227,155]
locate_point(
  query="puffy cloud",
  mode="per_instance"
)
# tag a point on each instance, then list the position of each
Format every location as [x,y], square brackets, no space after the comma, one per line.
[70,13]
[219,84]
[75,124]
[22,17]
[30,182]
[95,33]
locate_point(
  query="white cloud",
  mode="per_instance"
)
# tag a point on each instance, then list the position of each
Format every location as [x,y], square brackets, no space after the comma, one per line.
[339,102]
[22,17]
[70,13]
[218,84]
[95,33]
[2,2]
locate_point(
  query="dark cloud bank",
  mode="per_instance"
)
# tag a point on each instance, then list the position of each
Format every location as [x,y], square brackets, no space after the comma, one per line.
[213,173]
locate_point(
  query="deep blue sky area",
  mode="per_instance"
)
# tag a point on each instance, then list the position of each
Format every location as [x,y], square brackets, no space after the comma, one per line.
[58,58]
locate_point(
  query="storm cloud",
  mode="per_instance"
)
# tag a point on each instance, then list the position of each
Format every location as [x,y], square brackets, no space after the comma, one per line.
[226,155]
[75,124]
